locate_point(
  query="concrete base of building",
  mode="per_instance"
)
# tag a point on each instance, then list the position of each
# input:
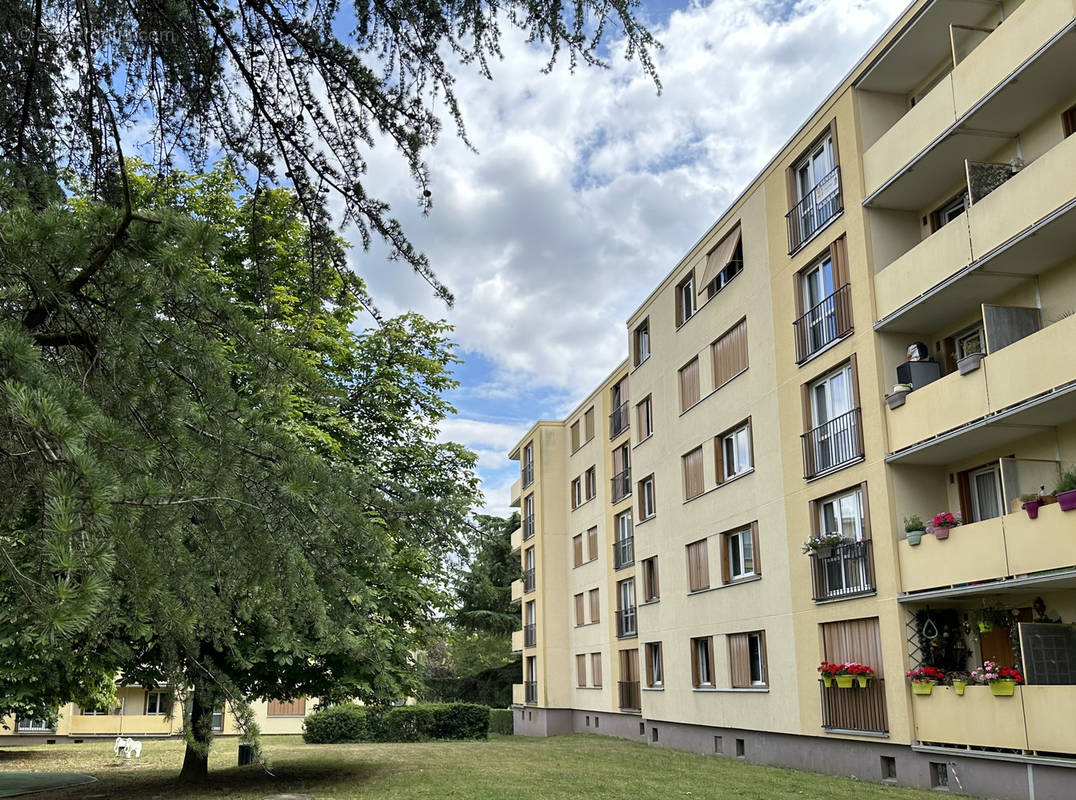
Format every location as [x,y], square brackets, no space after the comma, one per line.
[978,773]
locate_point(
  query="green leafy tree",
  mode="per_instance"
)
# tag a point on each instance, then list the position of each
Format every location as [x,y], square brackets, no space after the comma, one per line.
[484,593]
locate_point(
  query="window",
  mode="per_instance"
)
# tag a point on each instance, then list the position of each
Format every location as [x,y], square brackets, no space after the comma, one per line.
[290,708]
[596,669]
[651,587]
[723,263]
[528,570]
[576,441]
[592,544]
[644,411]
[729,354]
[621,482]
[620,418]
[698,566]
[816,191]
[740,558]
[747,660]
[693,479]
[157,703]
[590,483]
[969,342]
[641,343]
[689,385]
[625,613]
[834,437]
[734,452]
[702,662]
[528,465]
[980,493]
[655,671]
[217,721]
[595,606]
[947,212]
[581,670]
[577,550]
[647,503]
[33,725]
[528,516]
[1068,122]
[93,712]
[588,424]
[577,493]
[685,299]
[624,546]
[580,610]
[823,302]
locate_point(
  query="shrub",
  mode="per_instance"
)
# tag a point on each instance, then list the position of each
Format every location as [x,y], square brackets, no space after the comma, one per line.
[345,723]
[913,524]
[500,721]
[1067,482]
[460,721]
[408,724]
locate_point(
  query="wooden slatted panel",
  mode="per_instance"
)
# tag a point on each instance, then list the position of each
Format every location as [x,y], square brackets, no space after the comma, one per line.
[592,543]
[651,587]
[693,475]
[577,549]
[575,435]
[739,661]
[629,665]
[698,568]
[595,606]
[730,353]
[580,617]
[854,640]
[581,670]
[290,708]
[588,423]
[596,669]
[689,385]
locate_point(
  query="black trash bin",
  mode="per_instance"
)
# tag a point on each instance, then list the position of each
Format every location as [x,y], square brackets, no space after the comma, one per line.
[246,755]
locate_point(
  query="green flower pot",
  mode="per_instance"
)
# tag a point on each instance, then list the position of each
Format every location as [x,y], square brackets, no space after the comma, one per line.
[845,681]
[922,687]
[915,537]
[862,680]
[959,687]
[1003,688]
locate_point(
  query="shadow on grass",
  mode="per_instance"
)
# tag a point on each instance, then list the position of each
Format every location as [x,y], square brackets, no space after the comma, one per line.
[23,754]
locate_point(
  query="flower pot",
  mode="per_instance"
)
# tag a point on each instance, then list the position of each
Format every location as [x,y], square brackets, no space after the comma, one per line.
[895,400]
[986,627]
[941,533]
[922,687]
[959,687]
[1067,500]
[1032,508]
[969,363]
[1048,499]
[1003,688]
[823,552]
[844,681]
[862,680]
[915,537]
[827,680]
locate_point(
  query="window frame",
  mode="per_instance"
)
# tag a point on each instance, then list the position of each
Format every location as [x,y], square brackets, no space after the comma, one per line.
[579,600]
[590,483]
[592,543]
[641,336]
[721,456]
[715,346]
[685,290]
[576,492]
[161,696]
[644,414]
[684,405]
[748,658]
[594,605]
[648,502]
[577,551]
[655,665]
[702,656]
[727,577]
[651,580]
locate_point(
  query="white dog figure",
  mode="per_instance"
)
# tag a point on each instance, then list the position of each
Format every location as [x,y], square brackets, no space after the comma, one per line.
[128,746]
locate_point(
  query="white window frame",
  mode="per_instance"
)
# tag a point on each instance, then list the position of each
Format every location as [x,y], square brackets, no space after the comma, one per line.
[973,489]
[688,309]
[648,416]
[577,492]
[731,443]
[653,651]
[736,549]
[161,701]
[702,661]
[590,478]
[965,338]
[649,501]
[808,174]
[756,659]
[642,342]
[33,725]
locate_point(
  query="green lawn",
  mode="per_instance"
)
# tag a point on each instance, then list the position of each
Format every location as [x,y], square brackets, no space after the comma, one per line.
[594,767]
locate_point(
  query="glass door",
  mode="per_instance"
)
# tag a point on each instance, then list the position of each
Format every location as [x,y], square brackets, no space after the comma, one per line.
[819,283]
[986,501]
[846,570]
[832,400]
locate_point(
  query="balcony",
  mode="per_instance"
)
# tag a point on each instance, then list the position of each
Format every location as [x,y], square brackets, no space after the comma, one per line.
[517,591]
[528,474]
[854,710]
[1021,228]
[625,623]
[115,724]
[619,420]
[530,692]
[528,528]
[530,635]
[827,322]
[813,212]
[623,552]
[514,494]
[1030,720]
[1012,77]
[517,539]
[528,581]
[833,445]
[517,641]
[518,696]
[629,696]
[1027,383]
[621,485]
[847,572]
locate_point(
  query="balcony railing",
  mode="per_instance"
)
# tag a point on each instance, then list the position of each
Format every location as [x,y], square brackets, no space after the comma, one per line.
[528,474]
[837,442]
[847,572]
[624,552]
[811,213]
[619,420]
[528,528]
[530,635]
[826,322]
[629,695]
[528,580]
[621,485]
[854,709]
[625,623]
[530,692]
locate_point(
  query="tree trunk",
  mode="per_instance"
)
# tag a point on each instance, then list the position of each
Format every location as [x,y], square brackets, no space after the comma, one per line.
[196,757]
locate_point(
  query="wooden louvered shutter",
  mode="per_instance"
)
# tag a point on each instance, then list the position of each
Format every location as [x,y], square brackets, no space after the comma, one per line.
[730,353]
[698,571]
[577,550]
[588,424]
[739,660]
[693,474]
[581,670]
[592,543]
[595,606]
[580,616]
[596,669]
[689,385]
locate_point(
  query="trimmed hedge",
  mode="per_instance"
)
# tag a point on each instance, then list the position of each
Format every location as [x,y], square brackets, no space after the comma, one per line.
[460,721]
[345,723]
[500,721]
[408,723]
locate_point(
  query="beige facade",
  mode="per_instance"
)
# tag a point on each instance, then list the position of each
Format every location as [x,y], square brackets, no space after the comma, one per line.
[930,204]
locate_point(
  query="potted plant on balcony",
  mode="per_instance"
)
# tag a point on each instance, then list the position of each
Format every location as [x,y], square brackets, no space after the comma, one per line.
[971,350]
[959,681]
[1002,680]
[828,670]
[896,398]
[985,618]
[1066,490]
[1030,502]
[923,679]
[860,673]
[821,545]
[914,529]
[942,523]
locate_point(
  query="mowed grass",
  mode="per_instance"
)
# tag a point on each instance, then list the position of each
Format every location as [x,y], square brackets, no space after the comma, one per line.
[505,767]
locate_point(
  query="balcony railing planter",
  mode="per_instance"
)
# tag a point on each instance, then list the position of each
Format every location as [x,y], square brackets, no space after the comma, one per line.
[899,394]
[822,545]
[969,363]
[1002,680]
[1066,491]
[914,530]
[943,523]
[924,678]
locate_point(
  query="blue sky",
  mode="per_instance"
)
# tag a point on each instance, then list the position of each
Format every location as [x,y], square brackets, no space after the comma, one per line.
[586,190]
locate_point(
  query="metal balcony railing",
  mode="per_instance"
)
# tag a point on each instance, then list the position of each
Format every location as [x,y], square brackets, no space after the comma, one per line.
[528,528]
[528,580]
[624,552]
[625,623]
[837,442]
[621,485]
[528,474]
[629,695]
[530,692]
[530,635]
[826,322]
[847,571]
[854,709]
[619,420]
[821,204]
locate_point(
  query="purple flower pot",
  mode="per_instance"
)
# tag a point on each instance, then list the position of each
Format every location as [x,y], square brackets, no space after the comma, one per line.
[941,533]
[1067,500]
[1032,508]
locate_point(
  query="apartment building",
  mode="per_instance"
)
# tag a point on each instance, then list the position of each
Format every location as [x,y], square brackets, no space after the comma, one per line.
[880,327]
